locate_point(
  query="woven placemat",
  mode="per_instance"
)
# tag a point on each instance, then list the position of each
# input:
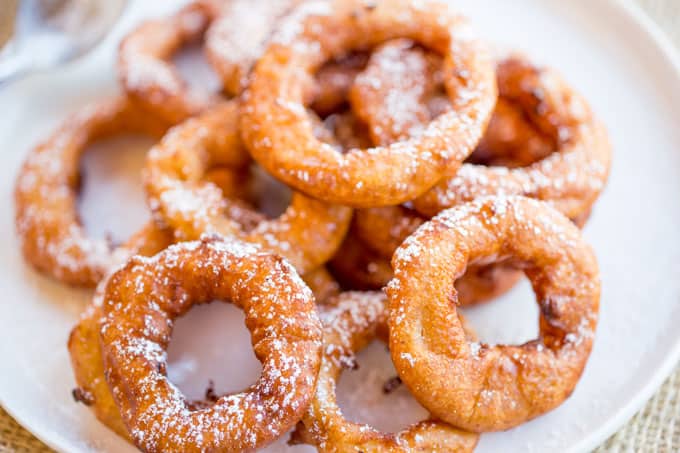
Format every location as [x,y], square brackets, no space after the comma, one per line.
[656,428]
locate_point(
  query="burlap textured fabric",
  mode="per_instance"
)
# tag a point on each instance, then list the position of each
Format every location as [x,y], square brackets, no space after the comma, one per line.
[656,428]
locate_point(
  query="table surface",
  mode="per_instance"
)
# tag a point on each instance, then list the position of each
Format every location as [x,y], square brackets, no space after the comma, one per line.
[656,428]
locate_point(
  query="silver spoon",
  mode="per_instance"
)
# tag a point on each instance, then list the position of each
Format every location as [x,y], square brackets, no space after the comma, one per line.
[42,34]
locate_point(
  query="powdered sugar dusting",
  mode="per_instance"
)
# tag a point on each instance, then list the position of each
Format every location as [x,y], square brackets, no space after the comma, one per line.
[570,179]
[46,194]
[559,264]
[286,336]
[300,46]
[397,75]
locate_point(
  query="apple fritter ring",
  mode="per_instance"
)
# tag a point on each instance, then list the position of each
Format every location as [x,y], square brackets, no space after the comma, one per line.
[146,296]
[307,233]
[278,131]
[52,238]
[83,345]
[358,267]
[570,178]
[484,283]
[353,322]
[511,140]
[480,387]
[87,362]
[145,68]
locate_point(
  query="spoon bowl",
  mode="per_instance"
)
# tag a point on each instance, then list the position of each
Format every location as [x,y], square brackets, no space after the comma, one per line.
[47,33]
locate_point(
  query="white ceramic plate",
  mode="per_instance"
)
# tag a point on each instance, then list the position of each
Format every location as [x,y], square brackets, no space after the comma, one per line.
[609,51]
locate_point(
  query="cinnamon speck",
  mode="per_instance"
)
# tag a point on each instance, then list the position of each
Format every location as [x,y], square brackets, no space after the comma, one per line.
[81,395]
[391,385]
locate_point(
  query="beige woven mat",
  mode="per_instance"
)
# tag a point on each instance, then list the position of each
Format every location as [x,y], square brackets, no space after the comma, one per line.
[655,429]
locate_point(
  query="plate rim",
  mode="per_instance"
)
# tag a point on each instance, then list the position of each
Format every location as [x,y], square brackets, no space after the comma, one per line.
[671,54]
[616,421]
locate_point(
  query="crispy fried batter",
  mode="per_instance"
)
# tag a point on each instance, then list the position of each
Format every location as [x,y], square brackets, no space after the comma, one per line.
[476,386]
[277,130]
[88,365]
[146,296]
[52,238]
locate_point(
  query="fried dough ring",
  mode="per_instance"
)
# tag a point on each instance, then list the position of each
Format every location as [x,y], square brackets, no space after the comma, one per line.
[277,130]
[358,268]
[352,323]
[88,365]
[307,234]
[484,283]
[83,344]
[142,301]
[570,178]
[384,229]
[511,140]
[347,130]
[146,72]
[52,238]
[85,352]
[475,386]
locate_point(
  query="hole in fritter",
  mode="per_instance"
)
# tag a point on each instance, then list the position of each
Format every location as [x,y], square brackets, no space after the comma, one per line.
[511,318]
[111,201]
[511,140]
[210,353]
[334,80]
[195,69]
[270,196]
[345,131]
[372,394]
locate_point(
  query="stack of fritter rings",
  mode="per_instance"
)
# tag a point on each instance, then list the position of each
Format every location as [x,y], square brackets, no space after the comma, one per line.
[426,172]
